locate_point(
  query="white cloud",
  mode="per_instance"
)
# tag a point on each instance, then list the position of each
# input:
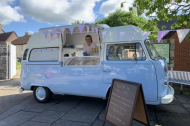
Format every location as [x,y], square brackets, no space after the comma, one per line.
[31,32]
[9,14]
[111,5]
[59,11]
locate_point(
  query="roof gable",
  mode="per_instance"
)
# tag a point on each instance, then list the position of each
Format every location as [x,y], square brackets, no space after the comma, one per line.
[5,36]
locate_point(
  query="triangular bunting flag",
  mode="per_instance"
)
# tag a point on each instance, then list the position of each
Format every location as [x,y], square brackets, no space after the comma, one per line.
[62,31]
[111,35]
[120,35]
[161,34]
[97,31]
[92,30]
[132,35]
[81,29]
[103,34]
[54,31]
[71,30]
[45,33]
[182,34]
[87,29]
[145,35]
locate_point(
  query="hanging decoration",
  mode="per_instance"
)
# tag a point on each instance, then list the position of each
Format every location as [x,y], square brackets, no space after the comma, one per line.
[145,35]
[111,35]
[45,33]
[182,34]
[92,29]
[58,35]
[103,34]
[161,34]
[97,31]
[54,31]
[87,29]
[132,35]
[81,29]
[71,30]
[120,35]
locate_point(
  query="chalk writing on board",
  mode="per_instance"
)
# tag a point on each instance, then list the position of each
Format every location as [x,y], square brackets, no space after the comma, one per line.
[119,120]
[122,86]
[122,91]
[121,102]
[118,106]
[122,98]
[117,111]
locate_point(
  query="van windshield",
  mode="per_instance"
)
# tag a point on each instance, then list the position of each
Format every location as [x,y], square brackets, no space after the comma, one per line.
[152,51]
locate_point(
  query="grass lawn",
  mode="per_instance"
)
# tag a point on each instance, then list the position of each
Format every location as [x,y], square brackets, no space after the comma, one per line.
[18,65]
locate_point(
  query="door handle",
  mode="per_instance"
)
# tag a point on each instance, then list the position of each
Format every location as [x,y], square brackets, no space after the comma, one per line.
[107,70]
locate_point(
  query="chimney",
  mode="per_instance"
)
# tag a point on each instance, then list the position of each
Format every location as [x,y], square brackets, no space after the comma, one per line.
[27,34]
[0,26]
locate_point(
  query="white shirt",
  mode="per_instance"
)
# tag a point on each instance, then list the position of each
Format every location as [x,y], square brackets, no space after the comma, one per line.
[87,48]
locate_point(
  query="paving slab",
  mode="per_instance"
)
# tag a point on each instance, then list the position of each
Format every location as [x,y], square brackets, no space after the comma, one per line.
[17,118]
[28,123]
[86,111]
[48,116]
[61,122]
[65,105]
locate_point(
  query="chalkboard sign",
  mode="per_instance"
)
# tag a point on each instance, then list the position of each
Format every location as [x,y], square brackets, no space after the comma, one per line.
[125,103]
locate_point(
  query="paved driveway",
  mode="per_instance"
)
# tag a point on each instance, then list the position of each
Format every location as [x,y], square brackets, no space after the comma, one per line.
[22,110]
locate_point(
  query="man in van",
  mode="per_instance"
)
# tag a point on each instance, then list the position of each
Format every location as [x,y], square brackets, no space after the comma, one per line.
[87,47]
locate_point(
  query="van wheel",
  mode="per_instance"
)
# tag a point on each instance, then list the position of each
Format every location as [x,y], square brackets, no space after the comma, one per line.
[42,94]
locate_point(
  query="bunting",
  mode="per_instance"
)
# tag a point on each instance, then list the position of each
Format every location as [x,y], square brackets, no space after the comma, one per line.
[103,34]
[71,30]
[45,33]
[132,35]
[97,31]
[81,29]
[92,30]
[54,31]
[161,34]
[120,35]
[182,34]
[87,29]
[145,35]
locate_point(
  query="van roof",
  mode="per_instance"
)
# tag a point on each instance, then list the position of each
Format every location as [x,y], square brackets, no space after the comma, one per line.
[100,26]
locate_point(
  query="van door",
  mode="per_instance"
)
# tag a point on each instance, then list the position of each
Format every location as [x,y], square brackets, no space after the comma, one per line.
[120,64]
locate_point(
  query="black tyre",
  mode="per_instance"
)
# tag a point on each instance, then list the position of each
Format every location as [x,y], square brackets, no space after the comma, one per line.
[42,94]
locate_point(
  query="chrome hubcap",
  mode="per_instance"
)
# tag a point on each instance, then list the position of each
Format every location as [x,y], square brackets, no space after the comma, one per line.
[40,93]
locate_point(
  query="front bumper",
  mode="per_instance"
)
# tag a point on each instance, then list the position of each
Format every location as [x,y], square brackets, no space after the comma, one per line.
[169,97]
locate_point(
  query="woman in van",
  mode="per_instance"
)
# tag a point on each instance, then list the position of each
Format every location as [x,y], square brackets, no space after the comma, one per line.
[87,47]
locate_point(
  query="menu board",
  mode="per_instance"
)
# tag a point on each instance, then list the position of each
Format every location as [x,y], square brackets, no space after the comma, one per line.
[164,50]
[126,102]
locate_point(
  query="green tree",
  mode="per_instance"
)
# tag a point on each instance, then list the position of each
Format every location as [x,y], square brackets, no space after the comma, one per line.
[78,22]
[165,10]
[121,18]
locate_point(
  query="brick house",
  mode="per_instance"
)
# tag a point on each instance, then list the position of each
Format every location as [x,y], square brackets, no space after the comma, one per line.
[181,50]
[20,44]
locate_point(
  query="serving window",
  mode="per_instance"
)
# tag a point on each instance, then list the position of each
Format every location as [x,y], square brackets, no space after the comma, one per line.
[81,61]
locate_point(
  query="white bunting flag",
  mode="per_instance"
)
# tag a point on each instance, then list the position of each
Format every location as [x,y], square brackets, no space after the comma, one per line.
[97,31]
[92,30]
[145,35]
[103,34]
[120,35]
[87,29]
[111,35]
[71,30]
[182,34]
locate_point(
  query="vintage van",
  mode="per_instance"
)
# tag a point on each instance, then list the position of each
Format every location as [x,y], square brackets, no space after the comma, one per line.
[53,63]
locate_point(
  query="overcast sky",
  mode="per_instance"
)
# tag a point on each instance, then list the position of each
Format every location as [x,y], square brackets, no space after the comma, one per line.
[30,15]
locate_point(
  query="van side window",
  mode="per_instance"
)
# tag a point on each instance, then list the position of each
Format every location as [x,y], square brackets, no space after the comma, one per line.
[25,54]
[44,54]
[125,51]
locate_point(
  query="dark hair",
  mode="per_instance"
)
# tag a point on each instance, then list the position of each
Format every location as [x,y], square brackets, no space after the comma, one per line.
[89,36]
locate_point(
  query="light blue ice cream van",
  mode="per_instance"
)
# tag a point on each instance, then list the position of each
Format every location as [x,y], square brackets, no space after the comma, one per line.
[53,63]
